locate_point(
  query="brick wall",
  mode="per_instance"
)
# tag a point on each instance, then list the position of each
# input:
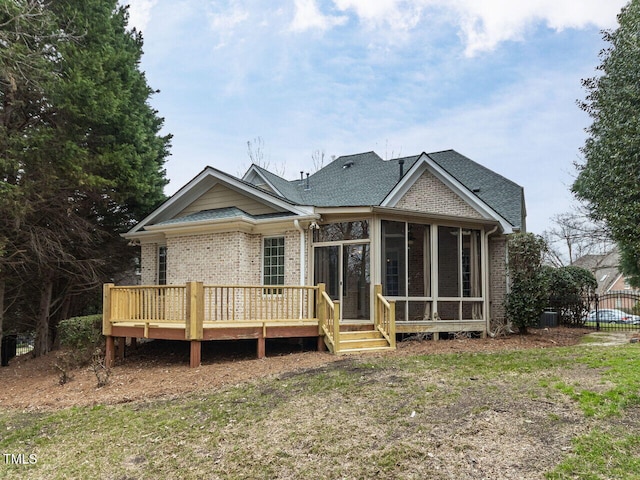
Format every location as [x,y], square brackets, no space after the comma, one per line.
[149,264]
[497,277]
[430,195]
[229,258]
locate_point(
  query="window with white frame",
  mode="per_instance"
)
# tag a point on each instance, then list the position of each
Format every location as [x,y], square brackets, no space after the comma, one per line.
[273,261]
[162,265]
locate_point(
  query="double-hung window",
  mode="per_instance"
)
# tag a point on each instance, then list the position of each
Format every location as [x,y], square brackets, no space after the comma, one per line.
[273,262]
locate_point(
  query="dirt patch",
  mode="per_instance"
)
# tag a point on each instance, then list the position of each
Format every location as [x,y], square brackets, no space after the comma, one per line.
[160,369]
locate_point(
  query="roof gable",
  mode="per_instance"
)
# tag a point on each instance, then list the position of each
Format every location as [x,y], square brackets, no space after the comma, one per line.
[204,185]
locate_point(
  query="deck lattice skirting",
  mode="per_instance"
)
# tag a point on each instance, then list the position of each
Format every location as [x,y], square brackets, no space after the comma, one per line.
[196,312]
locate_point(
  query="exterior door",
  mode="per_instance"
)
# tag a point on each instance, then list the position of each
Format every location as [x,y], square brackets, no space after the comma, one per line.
[345,269]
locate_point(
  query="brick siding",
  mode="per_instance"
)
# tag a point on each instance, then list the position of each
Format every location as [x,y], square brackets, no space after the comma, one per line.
[229,258]
[428,194]
[497,277]
[149,264]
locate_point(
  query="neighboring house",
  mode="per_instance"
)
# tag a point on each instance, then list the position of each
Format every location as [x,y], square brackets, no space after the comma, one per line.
[613,288]
[430,228]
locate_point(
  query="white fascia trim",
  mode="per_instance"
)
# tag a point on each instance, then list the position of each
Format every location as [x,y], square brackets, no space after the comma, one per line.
[425,163]
[204,181]
[252,172]
[231,223]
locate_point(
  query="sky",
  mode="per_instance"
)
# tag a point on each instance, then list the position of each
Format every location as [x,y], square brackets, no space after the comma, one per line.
[496,80]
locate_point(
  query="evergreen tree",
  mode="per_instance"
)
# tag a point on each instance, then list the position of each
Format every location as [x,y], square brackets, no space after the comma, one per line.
[90,165]
[609,178]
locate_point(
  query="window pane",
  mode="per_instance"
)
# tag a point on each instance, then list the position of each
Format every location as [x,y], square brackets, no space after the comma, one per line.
[326,269]
[419,311]
[334,232]
[418,264]
[472,310]
[162,265]
[448,262]
[273,261]
[449,310]
[394,258]
[471,264]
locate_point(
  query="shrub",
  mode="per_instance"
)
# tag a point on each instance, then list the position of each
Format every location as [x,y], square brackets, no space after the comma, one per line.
[81,338]
[81,332]
[528,296]
[570,289]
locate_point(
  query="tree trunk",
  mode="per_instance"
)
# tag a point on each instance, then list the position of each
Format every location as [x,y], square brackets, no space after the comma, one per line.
[2,286]
[41,345]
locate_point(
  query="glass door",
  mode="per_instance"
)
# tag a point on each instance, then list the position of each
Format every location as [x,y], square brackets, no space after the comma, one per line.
[356,282]
[345,269]
[327,269]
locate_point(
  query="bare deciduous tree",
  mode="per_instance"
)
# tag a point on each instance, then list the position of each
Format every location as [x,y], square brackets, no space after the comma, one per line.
[573,236]
[255,150]
[318,159]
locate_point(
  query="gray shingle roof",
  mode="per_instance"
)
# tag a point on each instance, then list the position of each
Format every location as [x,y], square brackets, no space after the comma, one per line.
[365,179]
[352,180]
[500,193]
[222,213]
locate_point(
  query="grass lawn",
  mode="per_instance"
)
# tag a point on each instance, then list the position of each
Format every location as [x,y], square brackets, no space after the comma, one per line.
[554,413]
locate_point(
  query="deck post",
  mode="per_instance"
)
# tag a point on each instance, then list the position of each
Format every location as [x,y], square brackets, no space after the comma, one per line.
[106,308]
[322,347]
[321,308]
[377,313]
[262,346]
[336,326]
[120,348]
[109,353]
[392,324]
[195,356]
[194,311]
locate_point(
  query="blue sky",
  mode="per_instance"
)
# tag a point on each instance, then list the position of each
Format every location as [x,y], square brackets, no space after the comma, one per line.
[496,80]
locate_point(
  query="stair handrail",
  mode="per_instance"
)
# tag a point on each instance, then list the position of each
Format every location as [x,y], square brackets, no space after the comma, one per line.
[331,324]
[385,316]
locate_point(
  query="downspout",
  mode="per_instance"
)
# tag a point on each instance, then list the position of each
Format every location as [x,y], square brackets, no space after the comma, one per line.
[296,224]
[488,280]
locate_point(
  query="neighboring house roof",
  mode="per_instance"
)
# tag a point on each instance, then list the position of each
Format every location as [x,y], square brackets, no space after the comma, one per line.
[363,179]
[605,267]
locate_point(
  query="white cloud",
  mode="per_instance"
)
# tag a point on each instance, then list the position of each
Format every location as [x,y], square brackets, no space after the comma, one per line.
[225,23]
[140,13]
[483,24]
[486,23]
[309,17]
[397,14]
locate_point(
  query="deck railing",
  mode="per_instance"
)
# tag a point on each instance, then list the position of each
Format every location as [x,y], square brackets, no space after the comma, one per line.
[194,305]
[224,303]
[149,303]
[384,318]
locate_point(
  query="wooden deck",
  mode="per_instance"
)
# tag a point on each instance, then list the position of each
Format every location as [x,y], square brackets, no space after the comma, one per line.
[196,312]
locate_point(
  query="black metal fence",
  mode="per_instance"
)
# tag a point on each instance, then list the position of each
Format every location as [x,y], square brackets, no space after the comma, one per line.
[15,344]
[619,310]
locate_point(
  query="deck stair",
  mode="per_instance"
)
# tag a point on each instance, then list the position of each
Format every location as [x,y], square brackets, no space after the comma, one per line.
[359,341]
